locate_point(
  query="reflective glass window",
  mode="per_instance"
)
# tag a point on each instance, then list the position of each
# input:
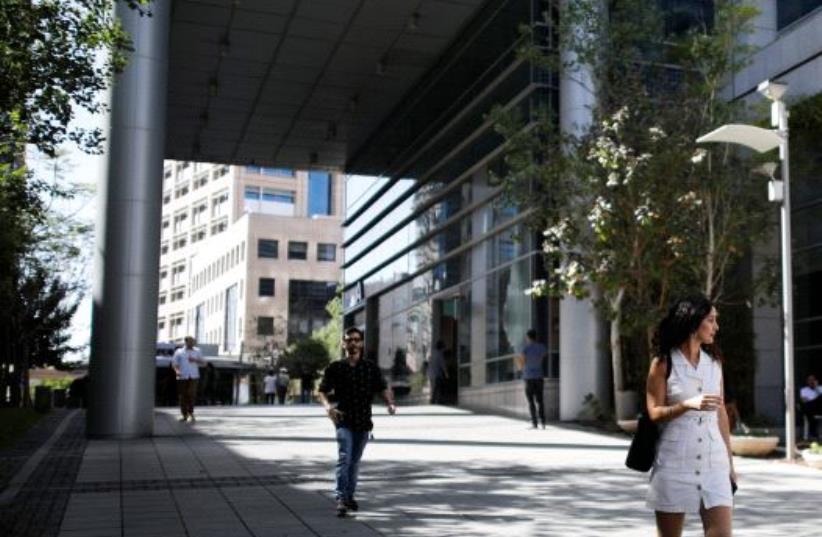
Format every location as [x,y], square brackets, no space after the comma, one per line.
[266,287]
[326,252]
[297,250]
[267,248]
[788,11]
[319,193]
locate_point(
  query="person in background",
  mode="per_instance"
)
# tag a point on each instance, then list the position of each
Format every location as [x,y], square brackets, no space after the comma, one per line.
[186,362]
[437,372]
[306,388]
[810,397]
[282,384]
[353,383]
[530,363]
[270,387]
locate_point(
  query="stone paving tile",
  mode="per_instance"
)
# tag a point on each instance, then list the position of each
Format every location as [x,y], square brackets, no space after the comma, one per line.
[429,474]
[38,507]
[13,457]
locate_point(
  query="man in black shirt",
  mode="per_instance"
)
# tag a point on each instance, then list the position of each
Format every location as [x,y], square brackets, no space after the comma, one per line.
[353,382]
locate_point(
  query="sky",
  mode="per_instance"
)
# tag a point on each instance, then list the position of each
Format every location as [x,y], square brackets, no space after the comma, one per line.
[83,168]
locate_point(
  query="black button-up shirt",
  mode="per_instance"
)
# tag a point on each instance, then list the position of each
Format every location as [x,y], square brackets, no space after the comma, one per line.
[353,388]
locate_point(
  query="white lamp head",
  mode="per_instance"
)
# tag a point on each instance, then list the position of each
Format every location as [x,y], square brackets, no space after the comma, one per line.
[767,169]
[772,90]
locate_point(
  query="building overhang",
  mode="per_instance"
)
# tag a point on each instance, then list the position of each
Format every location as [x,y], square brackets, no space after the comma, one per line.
[299,83]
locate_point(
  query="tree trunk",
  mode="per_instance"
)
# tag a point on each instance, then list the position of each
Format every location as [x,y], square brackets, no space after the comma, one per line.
[23,365]
[616,341]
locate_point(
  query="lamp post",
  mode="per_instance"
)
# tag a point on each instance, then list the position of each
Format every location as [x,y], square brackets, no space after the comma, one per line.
[763,140]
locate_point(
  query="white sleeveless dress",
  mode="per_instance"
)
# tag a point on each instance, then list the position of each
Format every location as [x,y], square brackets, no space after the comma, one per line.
[691,464]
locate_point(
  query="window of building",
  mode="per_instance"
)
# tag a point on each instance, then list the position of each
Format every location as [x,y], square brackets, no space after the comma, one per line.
[219,227]
[319,193]
[265,326]
[180,192]
[219,205]
[180,221]
[162,298]
[297,250]
[221,172]
[166,197]
[176,327]
[269,201]
[306,306]
[267,248]
[275,172]
[178,274]
[266,287]
[788,11]
[200,181]
[326,252]
[279,196]
[179,242]
[198,234]
[164,248]
[252,193]
[199,213]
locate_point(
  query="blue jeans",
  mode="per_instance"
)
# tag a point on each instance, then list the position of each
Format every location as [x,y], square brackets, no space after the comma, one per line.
[350,445]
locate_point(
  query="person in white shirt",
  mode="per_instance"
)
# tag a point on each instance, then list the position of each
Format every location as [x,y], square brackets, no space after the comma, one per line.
[185,362]
[811,403]
[269,387]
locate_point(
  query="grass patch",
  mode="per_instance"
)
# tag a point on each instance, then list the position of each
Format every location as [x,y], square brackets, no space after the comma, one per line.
[14,422]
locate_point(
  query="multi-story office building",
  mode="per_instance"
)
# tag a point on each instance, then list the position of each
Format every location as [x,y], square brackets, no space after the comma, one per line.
[398,90]
[431,255]
[249,255]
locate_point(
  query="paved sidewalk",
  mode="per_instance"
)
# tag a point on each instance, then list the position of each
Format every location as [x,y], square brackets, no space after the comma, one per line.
[267,471]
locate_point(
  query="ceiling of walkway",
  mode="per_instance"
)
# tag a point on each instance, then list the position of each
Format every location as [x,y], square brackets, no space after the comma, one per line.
[297,83]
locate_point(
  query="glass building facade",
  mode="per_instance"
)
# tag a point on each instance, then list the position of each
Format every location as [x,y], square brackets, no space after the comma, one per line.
[790,11]
[431,253]
[806,168]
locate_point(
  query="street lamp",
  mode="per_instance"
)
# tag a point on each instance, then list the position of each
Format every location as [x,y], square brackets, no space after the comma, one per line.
[763,140]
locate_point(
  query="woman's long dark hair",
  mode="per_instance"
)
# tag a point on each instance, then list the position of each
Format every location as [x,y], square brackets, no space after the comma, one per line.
[683,319]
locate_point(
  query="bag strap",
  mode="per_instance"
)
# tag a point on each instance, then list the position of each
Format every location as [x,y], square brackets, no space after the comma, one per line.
[669,365]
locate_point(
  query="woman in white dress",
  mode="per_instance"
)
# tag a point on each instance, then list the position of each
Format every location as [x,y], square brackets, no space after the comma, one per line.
[693,469]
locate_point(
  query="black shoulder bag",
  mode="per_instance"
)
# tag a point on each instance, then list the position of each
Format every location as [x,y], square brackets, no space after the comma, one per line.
[642,452]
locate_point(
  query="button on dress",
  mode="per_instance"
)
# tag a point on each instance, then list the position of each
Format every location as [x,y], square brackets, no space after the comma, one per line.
[691,464]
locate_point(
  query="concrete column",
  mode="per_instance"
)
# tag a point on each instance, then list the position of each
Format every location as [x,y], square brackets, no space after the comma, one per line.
[124,319]
[583,361]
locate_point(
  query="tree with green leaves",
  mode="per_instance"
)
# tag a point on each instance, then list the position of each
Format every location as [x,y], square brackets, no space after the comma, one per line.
[55,57]
[632,210]
[331,333]
[306,357]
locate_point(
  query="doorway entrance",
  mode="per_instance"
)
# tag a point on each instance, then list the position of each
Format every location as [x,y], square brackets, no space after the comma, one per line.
[448,330]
